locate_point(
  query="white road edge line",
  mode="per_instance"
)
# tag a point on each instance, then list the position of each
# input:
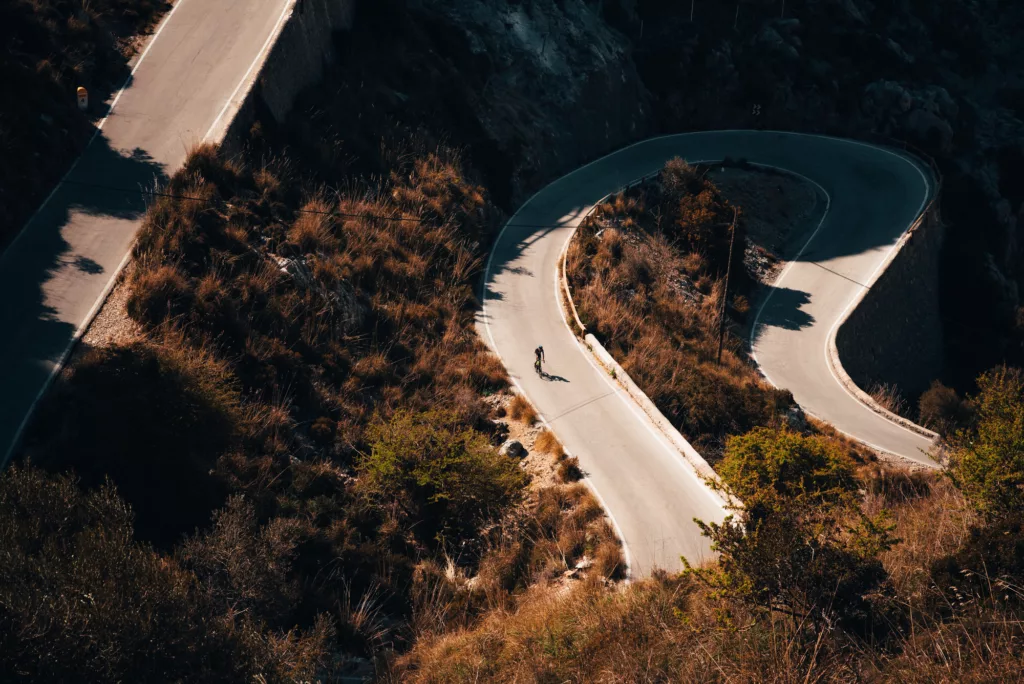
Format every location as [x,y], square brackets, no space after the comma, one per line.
[617,390]
[628,400]
[99,127]
[274,33]
[842,317]
[98,304]
[494,348]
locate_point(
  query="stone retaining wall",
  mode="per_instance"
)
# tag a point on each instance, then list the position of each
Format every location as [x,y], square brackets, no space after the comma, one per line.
[296,60]
[894,334]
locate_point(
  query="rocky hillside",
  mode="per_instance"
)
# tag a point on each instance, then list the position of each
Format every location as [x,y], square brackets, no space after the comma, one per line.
[529,89]
[946,75]
[533,88]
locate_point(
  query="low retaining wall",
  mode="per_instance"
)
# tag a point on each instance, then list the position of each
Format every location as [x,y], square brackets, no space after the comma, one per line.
[302,46]
[621,377]
[664,425]
[894,333]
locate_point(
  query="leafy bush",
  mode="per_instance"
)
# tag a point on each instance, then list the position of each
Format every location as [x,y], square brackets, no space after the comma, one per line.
[80,601]
[767,464]
[446,478]
[792,548]
[986,461]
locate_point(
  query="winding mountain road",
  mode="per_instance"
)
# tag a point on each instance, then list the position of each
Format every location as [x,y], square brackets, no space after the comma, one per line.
[57,272]
[184,88]
[649,490]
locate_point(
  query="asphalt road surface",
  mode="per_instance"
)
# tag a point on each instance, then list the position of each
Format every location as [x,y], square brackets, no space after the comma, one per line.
[650,492]
[56,273]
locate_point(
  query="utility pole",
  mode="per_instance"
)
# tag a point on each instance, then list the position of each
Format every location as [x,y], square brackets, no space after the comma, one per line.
[725,293]
[691,10]
[783,15]
[736,22]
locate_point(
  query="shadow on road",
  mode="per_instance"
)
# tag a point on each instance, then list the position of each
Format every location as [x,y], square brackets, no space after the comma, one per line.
[784,309]
[58,255]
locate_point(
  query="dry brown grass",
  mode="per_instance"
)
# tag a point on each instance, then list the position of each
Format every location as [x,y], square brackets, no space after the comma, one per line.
[520,408]
[654,298]
[569,469]
[562,528]
[656,630]
[889,397]
[317,327]
[931,525]
[547,443]
[675,629]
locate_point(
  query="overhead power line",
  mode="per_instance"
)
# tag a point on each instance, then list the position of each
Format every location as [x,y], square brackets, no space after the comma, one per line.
[341,214]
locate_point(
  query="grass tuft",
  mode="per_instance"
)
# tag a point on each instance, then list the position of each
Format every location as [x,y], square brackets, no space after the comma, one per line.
[522,410]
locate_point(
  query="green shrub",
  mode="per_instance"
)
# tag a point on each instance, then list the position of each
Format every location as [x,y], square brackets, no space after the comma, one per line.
[799,544]
[986,461]
[765,463]
[445,477]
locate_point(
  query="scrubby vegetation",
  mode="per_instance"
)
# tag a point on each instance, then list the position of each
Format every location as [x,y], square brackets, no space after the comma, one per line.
[50,47]
[300,429]
[987,458]
[832,570]
[647,273]
[80,600]
[293,466]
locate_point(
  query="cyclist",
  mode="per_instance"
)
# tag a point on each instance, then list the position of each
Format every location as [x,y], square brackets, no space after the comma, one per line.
[539,353]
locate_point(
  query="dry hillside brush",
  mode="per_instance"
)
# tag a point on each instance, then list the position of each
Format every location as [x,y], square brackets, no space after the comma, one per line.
[300,427]
[830,572]
[647,275]
[49,48]
[80,600]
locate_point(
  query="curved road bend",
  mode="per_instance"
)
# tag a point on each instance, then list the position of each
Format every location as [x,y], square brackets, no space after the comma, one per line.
[650,493]
[58,270]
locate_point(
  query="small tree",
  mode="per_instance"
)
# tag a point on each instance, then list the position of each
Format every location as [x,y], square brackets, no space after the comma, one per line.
[698,217]
[800,544]
[437,471]
[986,461]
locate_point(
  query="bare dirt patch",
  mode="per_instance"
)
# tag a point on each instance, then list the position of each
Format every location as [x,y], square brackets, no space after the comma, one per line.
[112,324]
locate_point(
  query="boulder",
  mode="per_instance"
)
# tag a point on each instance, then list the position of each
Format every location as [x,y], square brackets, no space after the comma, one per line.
[796,419]
[772,41]
[513,448]
[499,432]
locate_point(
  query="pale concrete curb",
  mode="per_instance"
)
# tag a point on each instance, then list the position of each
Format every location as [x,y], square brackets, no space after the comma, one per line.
[621,377]
[833,350]
[691,457]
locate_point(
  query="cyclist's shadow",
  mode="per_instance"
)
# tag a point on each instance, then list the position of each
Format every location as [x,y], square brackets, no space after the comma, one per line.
[551,378]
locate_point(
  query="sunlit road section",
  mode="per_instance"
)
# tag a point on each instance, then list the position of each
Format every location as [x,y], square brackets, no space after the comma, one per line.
[875,194]
[56,273]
